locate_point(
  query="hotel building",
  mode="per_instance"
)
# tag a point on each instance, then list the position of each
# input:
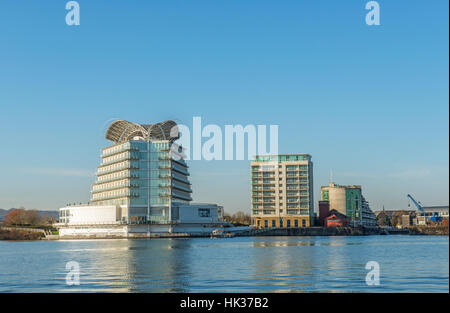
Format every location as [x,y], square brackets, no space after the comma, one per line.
[282,191]
[348,200]
[142,186]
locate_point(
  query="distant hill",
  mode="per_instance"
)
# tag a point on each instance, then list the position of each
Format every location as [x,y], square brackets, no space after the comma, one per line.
[55,214]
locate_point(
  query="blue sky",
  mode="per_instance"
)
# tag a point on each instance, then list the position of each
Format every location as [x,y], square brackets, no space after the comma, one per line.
[370,103]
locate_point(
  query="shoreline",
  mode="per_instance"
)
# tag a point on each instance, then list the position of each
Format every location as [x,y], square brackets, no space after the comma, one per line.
[21,235]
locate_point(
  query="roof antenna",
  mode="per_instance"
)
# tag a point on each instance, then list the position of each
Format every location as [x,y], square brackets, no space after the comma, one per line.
[331,175]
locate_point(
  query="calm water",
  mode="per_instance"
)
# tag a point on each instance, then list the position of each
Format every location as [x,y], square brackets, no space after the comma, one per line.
[249,264]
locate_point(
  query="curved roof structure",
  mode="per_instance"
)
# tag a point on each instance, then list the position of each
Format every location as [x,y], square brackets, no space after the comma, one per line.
[122,131]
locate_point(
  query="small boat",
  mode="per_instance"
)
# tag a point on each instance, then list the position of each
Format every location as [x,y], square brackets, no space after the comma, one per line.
[219,233]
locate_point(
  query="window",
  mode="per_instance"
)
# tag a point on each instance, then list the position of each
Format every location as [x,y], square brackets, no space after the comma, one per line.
[273,223]
[266,223]
[288,223]
[204,212]
[296,223]
[303,223]
[281,222]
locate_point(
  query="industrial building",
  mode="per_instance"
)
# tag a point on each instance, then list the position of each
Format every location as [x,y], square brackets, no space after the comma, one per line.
[141,187]
[282,191]
[417,216]
[438,210]
[349,201]
[336,219]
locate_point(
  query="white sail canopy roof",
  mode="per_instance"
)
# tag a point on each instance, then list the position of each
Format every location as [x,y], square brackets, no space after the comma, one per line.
[122,131]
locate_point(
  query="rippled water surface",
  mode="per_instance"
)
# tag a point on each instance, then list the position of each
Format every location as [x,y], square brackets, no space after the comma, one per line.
[245,264]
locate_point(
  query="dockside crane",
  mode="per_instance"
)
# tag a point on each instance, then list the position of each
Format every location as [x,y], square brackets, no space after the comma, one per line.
[434,218]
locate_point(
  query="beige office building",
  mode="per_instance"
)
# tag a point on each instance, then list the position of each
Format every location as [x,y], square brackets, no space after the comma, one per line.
[282,191]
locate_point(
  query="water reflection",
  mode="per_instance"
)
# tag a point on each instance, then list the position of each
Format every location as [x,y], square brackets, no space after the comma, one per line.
[163,265]
[290,269]
[269,264]
[131,265]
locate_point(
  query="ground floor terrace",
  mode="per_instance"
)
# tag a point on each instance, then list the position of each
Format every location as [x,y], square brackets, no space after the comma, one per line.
[138,231]
[281,221]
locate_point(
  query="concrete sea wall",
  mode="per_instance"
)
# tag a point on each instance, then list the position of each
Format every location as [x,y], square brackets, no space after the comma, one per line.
[312,231]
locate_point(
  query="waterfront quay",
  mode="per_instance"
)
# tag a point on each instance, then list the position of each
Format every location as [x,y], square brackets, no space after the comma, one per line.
[276,231]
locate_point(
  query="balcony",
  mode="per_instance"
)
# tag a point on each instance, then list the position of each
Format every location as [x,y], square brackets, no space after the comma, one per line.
[121,195]
[117,169]
[115,187]
[125,147]
[180,170]
[126,175]
[124,158]
[181,196]
[181,179]
[182,188]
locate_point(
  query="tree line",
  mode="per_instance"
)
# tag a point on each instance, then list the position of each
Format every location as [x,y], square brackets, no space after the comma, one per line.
[238,219]
[23,217]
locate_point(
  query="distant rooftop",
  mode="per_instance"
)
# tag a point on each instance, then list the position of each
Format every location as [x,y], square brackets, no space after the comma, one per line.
[437,208]
[334,185]
[282,157]
[121,131]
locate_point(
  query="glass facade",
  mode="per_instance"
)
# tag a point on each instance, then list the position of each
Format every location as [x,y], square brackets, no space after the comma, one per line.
[145,177]
[353,203]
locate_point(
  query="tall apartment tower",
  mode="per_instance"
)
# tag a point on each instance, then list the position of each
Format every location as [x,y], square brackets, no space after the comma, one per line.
[282,191]
[142,173]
